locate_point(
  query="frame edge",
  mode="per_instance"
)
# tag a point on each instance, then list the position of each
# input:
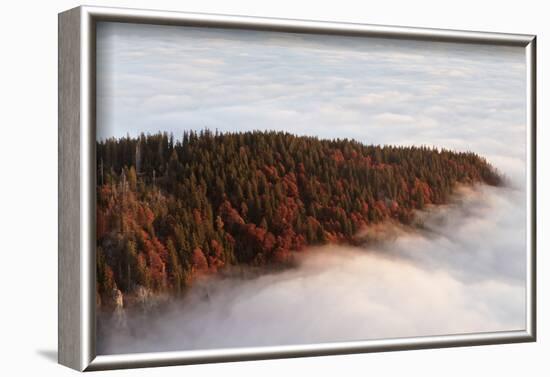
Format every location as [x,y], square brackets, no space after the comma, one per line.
[178,18]
[69,258]
[531,52]
[162,359]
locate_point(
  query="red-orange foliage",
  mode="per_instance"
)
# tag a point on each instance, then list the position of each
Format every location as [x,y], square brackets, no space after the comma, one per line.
[200,264]
[210,200]
[230,215]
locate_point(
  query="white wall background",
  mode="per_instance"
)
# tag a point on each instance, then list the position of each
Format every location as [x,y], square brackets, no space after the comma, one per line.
[28,185]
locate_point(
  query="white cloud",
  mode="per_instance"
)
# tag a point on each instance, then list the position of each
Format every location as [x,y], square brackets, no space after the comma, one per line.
[464,274]
[153,78]
[392,118]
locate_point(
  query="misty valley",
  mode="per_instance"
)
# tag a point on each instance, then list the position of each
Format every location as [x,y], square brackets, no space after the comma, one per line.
[217,240]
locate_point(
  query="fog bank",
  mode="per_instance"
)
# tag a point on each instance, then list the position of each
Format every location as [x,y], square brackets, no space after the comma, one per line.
[463,273]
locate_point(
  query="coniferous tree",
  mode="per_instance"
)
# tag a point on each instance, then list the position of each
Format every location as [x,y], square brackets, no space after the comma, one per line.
[170,209]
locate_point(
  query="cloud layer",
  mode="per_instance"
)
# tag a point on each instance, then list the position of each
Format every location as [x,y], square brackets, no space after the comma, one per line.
[379,91]
[464,274]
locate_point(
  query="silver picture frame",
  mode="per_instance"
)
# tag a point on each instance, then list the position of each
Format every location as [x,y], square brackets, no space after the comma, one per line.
[77,182]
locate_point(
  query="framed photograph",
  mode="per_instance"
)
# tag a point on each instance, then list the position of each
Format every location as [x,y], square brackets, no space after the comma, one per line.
[237,188]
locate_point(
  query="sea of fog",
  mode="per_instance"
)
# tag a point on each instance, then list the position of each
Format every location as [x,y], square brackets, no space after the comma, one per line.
[463,272]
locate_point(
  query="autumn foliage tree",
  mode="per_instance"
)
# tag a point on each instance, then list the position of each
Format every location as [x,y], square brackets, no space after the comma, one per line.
[169,210]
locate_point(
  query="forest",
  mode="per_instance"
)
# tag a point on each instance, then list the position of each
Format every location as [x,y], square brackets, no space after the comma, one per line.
[171,210]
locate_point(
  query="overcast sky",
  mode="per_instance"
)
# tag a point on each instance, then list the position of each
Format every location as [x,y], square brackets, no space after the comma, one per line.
[379,91]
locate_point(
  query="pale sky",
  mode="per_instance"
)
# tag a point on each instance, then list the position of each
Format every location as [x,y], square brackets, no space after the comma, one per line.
[378,91]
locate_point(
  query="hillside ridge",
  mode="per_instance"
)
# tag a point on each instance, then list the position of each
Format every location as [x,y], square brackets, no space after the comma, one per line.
[170,210]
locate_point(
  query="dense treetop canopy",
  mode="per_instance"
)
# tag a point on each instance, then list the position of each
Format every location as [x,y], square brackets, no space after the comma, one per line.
[169,210]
